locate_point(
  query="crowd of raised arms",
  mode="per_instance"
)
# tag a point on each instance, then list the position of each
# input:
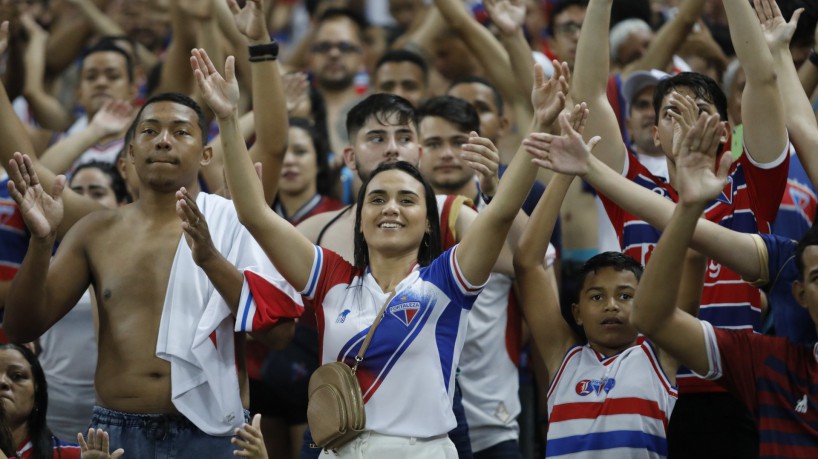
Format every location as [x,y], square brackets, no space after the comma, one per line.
[533,228]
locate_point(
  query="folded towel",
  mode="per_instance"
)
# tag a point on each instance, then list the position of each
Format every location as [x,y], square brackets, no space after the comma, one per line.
[196,329]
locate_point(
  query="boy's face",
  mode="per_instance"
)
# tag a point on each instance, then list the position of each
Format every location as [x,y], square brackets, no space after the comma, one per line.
[805,290]
[604,310]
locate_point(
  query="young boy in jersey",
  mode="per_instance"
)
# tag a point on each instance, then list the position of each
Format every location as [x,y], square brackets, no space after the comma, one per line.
[775,378]
[613,395]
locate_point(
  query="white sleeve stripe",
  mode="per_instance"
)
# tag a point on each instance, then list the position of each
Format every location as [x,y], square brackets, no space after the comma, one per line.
[246,311]
[465,287]
[312,283]
[774,163]
[714,368]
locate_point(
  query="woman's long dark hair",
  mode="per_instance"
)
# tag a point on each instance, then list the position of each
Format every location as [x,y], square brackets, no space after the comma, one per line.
[430,245]
[42,440]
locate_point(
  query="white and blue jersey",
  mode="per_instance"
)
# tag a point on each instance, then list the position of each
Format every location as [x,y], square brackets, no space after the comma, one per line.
[613,407]
[407,374]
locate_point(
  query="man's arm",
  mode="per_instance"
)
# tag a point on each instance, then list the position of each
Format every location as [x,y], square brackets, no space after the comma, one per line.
[481,245]
[113,118]
[269,102]
[42,291]
[294,259]
[762,112]
[15,139]
[539,301]
[590,83]
[654,308]
[799,117]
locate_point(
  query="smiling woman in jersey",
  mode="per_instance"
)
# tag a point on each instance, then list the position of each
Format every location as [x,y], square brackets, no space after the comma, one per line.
[407,375]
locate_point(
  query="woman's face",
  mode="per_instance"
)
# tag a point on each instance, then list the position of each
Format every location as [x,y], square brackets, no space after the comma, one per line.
[95,184]
[393,216]
[298,173]
[16,387]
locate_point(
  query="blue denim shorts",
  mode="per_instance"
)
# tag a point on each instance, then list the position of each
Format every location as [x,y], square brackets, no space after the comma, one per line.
[160,436]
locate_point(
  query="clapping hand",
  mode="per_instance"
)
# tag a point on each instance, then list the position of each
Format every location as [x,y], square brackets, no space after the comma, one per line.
[566,153]
[220,93]
[97,446]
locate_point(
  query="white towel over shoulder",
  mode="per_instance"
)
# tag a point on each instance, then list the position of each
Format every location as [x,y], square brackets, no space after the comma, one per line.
[204,383]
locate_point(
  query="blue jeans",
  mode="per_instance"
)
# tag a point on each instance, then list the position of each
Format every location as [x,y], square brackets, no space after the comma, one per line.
[160,436]
[508,449]
[459,435]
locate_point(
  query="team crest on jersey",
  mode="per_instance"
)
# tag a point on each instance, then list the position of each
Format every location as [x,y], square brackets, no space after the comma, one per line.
[595,386]
[405,312]
[726,195]
[342,316]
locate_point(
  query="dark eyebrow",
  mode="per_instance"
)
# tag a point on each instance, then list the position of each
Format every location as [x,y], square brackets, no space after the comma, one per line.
[410,192]
[376,131]
[174,122]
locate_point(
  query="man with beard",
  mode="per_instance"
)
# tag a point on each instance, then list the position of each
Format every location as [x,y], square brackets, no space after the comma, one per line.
[336,55]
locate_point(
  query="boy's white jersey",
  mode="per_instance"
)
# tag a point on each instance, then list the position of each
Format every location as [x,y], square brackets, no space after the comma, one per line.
[407,374]
[614,407]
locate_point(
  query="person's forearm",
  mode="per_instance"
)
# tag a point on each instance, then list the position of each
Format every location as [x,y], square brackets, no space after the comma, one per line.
[537,234]
[176,75]
[656,296]
[748,41]
[68,34]
[226,278]
[27,296]
[271,123]
[48,110]
[590,76]
[242,181]
[521,78]
[798,115]
[808,76]
[61,156]
[722,244]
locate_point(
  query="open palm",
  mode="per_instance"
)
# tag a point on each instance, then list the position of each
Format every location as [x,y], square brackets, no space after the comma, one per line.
[548,95]
[777,31]
[220,93]
[507,15]
[697,180]
[250,20]
[41,212]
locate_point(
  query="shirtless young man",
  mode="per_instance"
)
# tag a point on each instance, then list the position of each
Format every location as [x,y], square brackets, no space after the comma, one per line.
[128,255]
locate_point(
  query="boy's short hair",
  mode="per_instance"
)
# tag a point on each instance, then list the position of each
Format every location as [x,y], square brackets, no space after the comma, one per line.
[108,46]
[473,79]
[616,260]
[403,55]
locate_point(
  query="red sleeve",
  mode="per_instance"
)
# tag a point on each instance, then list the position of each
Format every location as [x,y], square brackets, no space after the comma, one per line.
[737,351]
[766,184]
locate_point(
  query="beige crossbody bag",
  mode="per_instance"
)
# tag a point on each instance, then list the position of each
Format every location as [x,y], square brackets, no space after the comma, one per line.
[335,411]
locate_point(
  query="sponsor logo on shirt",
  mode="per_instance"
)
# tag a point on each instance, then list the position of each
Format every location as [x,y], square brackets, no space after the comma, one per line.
[342,316]
[595,386]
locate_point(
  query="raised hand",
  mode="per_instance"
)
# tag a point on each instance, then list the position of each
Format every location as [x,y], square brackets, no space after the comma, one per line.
[97,446]
[113,117]
[250,20]
[684,115]
[197,233]
[482,156]
[250,440]
[220,93]
[42,212]
[548,95]
[697,181]
[296,89]
[507,15]
[777,31]
[566,153]
[4,36]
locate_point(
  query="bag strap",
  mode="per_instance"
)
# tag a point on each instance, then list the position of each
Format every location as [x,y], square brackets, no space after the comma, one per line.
[360,357]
